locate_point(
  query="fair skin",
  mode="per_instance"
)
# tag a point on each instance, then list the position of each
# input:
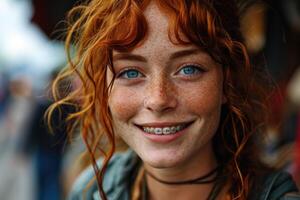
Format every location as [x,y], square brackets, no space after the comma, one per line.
[163,85]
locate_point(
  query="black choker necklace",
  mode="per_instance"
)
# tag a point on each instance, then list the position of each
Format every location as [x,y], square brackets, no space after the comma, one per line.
[210,177]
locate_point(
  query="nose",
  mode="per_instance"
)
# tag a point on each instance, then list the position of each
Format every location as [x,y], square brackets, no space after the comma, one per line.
[160,96]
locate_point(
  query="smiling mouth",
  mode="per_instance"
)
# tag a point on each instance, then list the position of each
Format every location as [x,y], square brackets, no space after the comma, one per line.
[164,130]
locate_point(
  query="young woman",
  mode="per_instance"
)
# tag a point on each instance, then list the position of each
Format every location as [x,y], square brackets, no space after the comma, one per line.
[172,79]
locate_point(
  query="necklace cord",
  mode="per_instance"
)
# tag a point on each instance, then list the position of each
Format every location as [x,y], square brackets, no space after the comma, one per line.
[210,177]
[219,181]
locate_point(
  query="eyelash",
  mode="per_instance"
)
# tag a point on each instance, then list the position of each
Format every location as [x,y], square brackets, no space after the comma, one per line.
[198,69]
[123,72]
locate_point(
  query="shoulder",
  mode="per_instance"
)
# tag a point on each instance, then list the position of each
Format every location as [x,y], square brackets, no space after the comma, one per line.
[115,181]
[277,185]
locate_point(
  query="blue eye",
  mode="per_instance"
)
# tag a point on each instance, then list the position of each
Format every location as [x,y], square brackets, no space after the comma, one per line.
[190,70]
[130,74]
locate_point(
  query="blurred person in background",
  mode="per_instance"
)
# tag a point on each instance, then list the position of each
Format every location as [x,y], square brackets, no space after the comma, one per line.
[47,147]
[16,170]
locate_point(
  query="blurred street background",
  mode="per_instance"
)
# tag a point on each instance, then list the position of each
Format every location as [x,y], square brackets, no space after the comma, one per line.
[35,165]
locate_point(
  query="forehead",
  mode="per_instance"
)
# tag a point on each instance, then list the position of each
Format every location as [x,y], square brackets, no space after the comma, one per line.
[159,38]
[155,16]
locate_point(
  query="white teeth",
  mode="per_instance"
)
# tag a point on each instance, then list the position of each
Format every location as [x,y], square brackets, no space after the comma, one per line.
[163,130]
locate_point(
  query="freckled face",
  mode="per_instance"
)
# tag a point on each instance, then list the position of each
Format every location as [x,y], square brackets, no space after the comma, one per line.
[163,85]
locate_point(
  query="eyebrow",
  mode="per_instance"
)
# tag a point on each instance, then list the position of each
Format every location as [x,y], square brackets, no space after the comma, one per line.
[129,56]
[185,52]
[175,55]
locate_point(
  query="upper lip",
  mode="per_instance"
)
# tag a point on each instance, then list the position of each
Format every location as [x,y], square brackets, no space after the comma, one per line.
[163,124]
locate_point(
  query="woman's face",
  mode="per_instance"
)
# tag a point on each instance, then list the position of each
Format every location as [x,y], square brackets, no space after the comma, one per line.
[166,98]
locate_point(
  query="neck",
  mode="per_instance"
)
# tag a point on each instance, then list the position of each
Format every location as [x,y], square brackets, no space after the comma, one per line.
[158,191]
[194,169]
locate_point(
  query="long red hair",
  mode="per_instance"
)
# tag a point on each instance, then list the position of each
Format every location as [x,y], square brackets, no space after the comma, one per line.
[101,26]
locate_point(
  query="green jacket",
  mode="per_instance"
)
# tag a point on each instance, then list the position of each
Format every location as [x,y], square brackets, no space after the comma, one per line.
[123,167]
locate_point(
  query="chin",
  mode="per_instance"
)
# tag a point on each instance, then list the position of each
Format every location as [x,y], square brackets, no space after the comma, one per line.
[162,164]
[162,160]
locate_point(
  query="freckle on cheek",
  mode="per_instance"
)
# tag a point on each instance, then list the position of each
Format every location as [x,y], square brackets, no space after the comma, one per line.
[198,100]
[123,106]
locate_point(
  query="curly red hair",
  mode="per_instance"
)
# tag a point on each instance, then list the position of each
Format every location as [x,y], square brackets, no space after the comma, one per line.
[101,26]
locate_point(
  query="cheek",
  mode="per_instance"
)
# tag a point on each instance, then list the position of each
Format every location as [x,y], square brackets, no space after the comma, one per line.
[203,100]
[124,103]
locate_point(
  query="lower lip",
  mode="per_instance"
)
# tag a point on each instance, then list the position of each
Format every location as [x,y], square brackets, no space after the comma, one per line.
[165,138]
